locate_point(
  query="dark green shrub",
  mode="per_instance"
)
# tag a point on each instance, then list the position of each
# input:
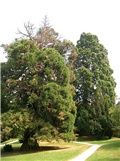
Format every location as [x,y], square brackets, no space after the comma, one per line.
[21,141]
[8,148]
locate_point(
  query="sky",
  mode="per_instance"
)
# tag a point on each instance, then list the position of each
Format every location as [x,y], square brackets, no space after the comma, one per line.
[70,18]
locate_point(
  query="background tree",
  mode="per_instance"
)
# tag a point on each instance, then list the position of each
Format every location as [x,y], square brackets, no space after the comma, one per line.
[94,87]
[115,114]
[38,93]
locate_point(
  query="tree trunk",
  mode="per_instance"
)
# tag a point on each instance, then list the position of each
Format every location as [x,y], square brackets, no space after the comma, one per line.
[29,143]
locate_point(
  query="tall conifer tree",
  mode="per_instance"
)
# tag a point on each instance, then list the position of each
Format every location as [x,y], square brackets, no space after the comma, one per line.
[95,87]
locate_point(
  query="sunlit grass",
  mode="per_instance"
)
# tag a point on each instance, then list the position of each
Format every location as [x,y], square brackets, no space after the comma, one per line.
[67,152]
[109,151]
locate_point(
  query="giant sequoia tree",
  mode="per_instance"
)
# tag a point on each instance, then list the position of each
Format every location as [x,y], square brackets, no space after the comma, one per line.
[37,95]
[47,37]
[94,87]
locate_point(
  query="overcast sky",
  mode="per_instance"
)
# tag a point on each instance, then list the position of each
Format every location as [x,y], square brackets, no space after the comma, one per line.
[70,18]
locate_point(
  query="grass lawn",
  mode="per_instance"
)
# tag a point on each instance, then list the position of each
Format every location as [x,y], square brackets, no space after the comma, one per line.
[64,152]
[109,151]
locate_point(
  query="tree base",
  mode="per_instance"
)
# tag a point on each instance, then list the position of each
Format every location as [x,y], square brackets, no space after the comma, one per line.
[30,145]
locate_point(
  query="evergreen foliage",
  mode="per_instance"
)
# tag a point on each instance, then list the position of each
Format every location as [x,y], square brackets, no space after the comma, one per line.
[37,95]
[115,114]
[38,86]
[94,87]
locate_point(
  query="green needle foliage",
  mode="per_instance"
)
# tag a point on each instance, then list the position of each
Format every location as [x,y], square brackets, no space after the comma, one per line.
[38,87]
[95,86]
[37,95]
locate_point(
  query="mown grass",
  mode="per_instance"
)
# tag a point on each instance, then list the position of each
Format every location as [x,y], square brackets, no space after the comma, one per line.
[65,152]
[109,151]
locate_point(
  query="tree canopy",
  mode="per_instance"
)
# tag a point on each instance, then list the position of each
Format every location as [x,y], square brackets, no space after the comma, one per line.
[37,92]
[94,86]
[50,87]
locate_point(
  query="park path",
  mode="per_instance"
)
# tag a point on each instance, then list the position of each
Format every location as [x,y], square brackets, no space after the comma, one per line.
[86,153]
[81,157]
[9,143]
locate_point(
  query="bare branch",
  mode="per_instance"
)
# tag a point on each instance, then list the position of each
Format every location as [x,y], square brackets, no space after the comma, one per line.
[30,31]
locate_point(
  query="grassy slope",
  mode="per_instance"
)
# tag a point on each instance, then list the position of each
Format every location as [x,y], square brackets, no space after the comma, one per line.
[109,151]
[50,155]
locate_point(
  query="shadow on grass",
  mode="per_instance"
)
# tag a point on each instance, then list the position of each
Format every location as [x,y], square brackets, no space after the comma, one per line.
[17,151]
[90,139]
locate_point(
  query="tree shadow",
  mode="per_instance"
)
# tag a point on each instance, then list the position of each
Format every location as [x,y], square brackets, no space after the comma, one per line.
[17,151]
